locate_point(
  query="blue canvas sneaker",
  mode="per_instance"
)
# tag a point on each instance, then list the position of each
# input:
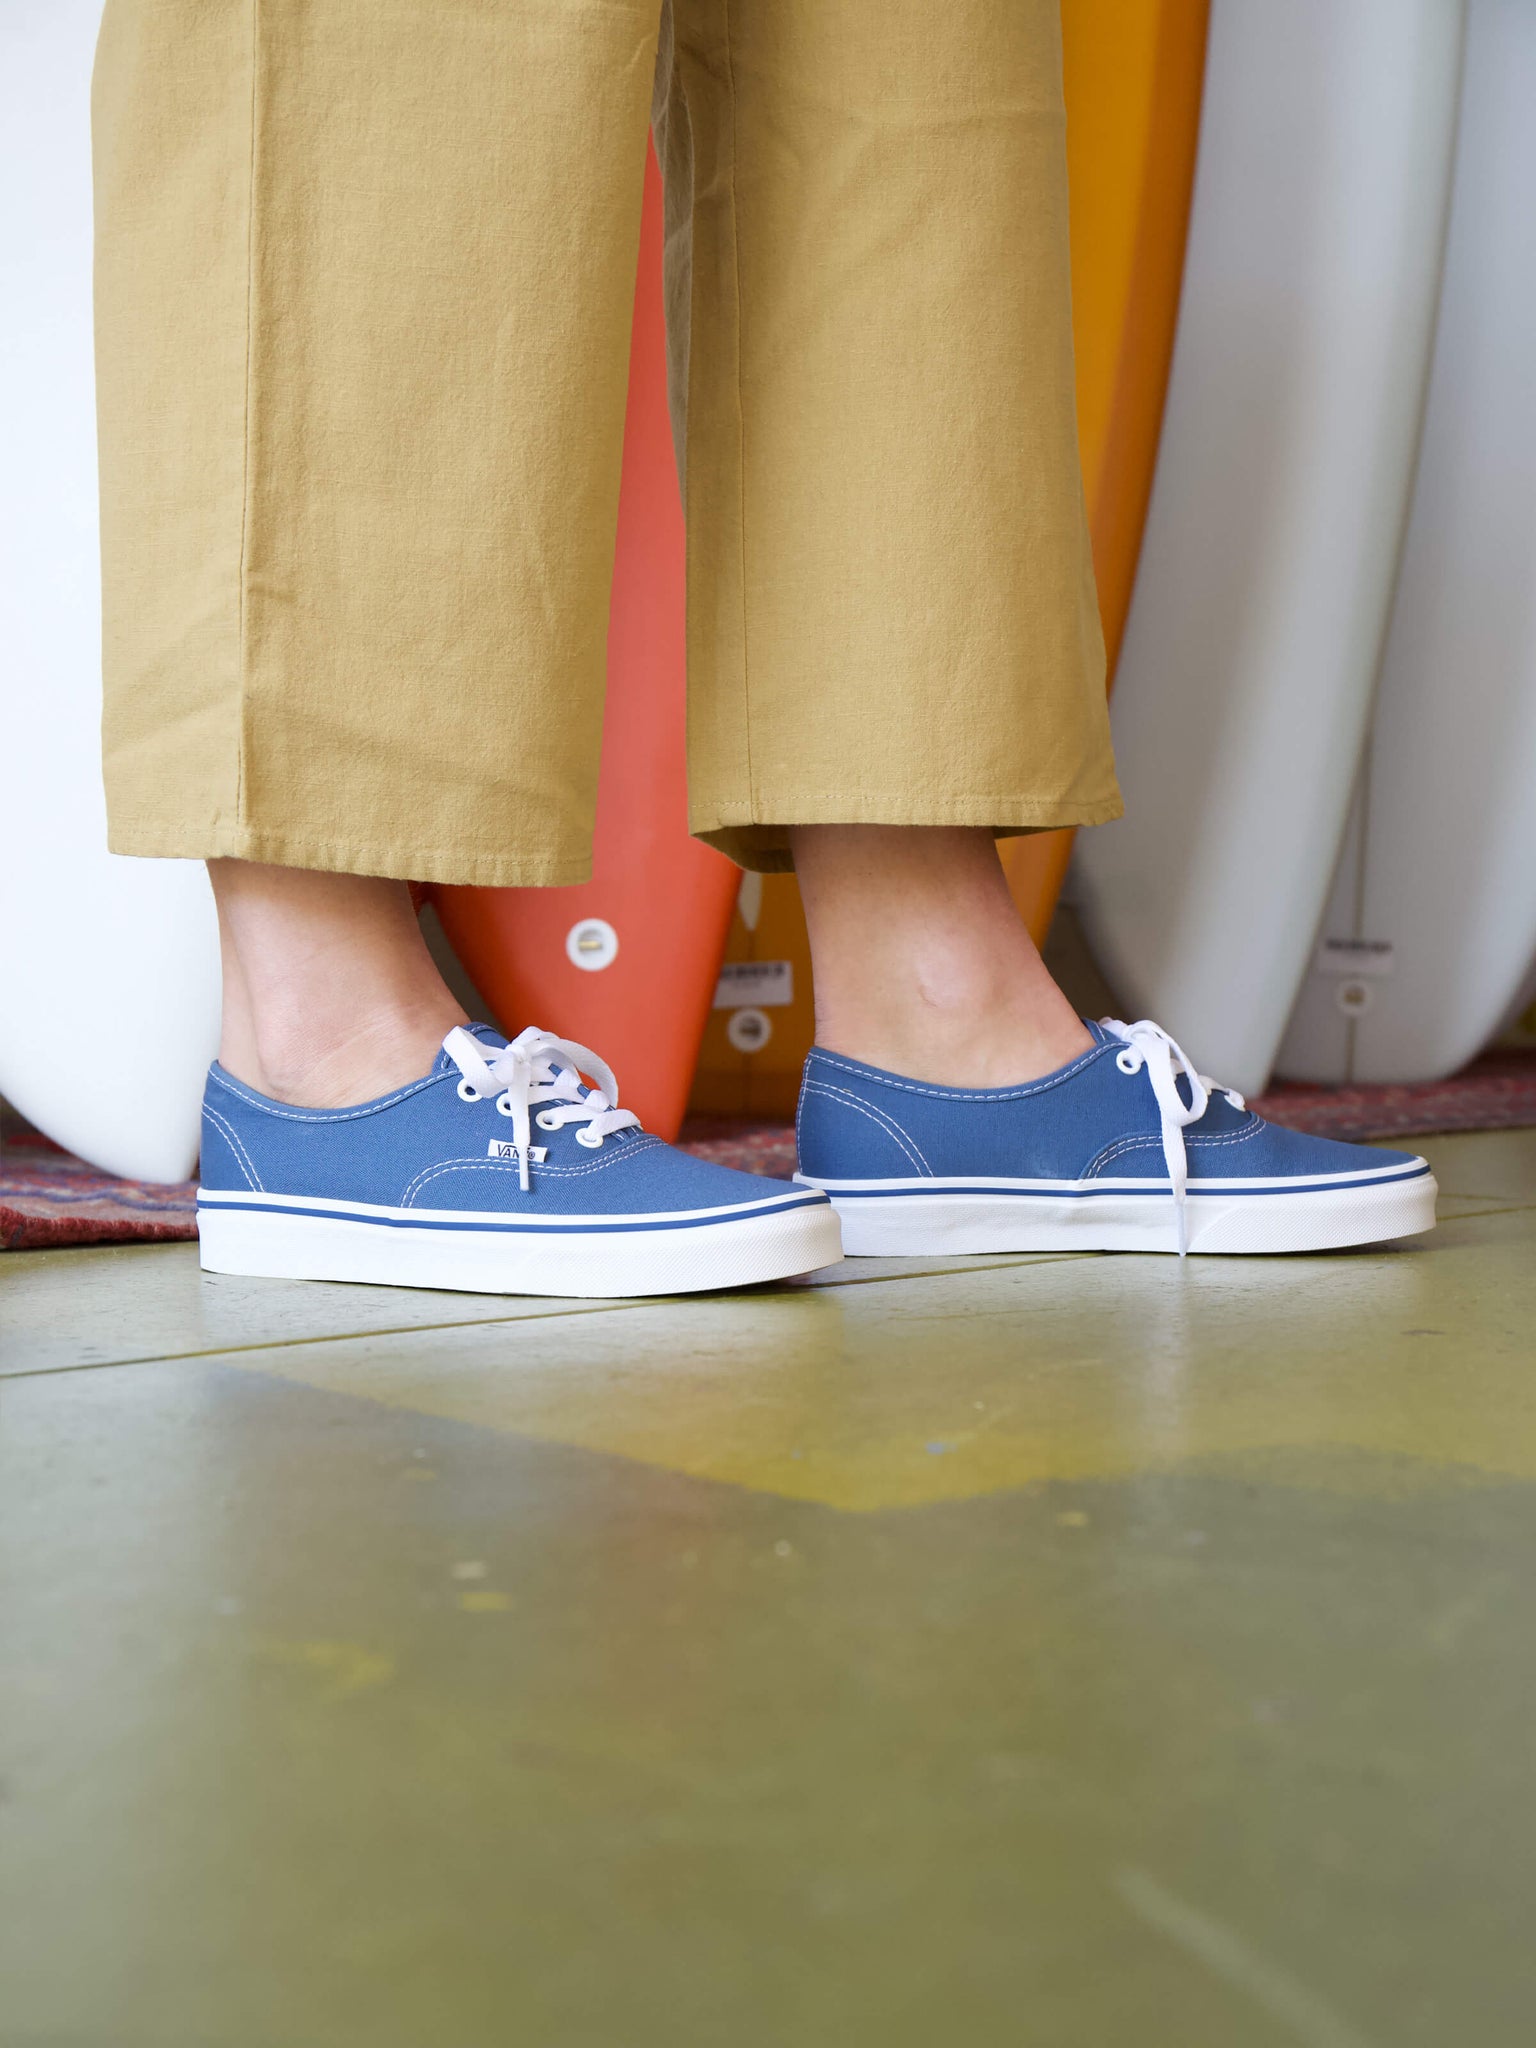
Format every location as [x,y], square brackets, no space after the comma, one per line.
[442,1185]
[1126,1148]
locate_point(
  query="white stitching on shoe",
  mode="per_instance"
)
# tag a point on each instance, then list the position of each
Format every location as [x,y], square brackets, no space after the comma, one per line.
[1197,1137]
[873,1078]
[231,1137]
[876,1116]
[1149,1141]
[321,1116]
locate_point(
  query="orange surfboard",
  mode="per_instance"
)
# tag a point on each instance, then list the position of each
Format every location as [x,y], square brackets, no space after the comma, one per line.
[1133,82]
[627,962]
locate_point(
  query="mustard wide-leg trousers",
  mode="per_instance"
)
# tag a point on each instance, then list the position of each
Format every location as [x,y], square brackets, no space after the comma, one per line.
[365,278]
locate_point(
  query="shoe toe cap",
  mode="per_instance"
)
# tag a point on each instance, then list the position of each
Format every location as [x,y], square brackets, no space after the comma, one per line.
[1272,1151]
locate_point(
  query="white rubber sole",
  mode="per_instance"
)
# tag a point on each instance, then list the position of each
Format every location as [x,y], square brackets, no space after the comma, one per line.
[927,1218]
[289,1238]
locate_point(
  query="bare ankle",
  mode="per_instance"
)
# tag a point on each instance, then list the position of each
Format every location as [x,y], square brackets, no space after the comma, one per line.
[372,1054]
[1005,1043]
[922,964]
[330,996]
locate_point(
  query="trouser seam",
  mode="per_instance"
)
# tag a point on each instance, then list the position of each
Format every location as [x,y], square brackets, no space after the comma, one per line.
[741,405]
[245,475]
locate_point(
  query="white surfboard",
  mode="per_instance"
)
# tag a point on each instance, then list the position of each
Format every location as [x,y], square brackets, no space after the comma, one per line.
[108,967]
[1277,511]
[1430,930]
[1516,1029]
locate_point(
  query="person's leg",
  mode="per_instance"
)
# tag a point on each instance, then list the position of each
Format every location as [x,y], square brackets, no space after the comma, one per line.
[922,963]
[356,1127]
[894,643]
[892,614]
[339,644]
[330,994]
[354,614]
[365,285]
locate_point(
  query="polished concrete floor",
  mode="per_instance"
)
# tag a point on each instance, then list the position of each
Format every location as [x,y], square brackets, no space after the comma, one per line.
[1064,1651]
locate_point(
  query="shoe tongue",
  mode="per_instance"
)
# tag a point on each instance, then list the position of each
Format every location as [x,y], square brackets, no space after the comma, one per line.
[1096,1031]
[488,1036]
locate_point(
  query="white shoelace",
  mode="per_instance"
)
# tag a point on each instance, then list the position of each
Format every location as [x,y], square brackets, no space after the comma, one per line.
[537,1067]
[1145,1044]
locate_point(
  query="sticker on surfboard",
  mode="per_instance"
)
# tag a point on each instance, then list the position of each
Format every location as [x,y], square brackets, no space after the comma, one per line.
[760,984]
[1353,957]
[749,1030]
[592,944]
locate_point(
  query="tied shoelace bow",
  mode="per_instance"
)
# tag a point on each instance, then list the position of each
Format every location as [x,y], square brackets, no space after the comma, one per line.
[537,1067]
[1145,1044]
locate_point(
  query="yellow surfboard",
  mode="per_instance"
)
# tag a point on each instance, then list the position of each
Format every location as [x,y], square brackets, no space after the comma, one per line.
[763,1022]
[1133,77]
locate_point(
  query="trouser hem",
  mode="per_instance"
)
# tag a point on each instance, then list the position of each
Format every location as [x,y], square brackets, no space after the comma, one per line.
[449,866]
[756,836]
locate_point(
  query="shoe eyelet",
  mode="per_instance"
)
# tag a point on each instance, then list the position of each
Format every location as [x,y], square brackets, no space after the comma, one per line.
[546,1120]
[504,1104]
[588,1139]
[467,1093]
[1127,1062]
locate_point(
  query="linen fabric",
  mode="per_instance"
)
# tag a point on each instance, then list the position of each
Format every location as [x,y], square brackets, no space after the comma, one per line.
[365,272]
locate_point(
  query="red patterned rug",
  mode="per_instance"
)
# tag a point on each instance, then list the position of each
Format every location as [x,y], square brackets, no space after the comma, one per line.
[48,1198]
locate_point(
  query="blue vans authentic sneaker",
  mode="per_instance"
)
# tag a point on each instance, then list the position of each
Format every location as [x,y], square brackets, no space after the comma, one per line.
[1126,1148]
[442,1184]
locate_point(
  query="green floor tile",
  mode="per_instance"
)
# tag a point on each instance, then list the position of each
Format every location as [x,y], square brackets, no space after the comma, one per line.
[1060,1652]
